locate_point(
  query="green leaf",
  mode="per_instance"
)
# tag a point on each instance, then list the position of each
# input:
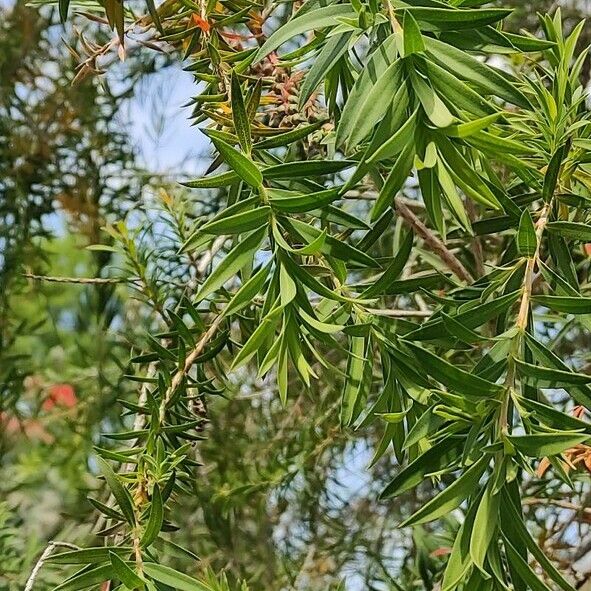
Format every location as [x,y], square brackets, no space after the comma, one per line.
[463,130]
[373,107]
[539,445]
[245,295]
[433,106]
[448,19]
[63,10]
[545,377]
[439,457]
[393,270]
[376,65]
[485,525]
[359,371]
[394,183]
[213,182]
[155,520]
[86,578]
[333,246]
[239,256]
[241,121]
[512,522]
[239,223]
[464,66]
[571,230]
[553,172]
[527,242]
[452,376]
[451,497]
[565,304]
[174,578]
[289,137]
[304,169]
[296,203]
[297,272]
[472,318]
[330,54]
[125,574]
[523,569]
[312,20]
[120,493]
[88,555]
[264,330]
[245,168]
[413,40]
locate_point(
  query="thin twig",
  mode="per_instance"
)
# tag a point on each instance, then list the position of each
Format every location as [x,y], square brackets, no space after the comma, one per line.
[401,313]
[79,280]
[46,554]
[183,371]
[434,243]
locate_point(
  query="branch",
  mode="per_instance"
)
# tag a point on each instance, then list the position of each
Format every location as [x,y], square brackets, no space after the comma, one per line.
[79,280]
[434,243]
[182,372]
[46,554]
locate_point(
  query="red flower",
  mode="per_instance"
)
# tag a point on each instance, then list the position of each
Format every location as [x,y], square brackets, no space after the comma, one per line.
[61,395]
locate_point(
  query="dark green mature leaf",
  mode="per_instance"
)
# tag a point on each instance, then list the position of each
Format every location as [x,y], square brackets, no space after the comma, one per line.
[371,107]
[233,262]
[244,296]
[452,376]
[393,271]
[155,520]
[86,578]
[568,305]
[174,578]
[330,54]
[245,221]
[451,497]
[526,236]
[571,230]
[552,173]
[485,525]
[240,117]
[447,19]
[125,574]
[297,203]
[439,457]
[289,137]
[88,555]
[514,527]
[358,382]
[539,445]
[463,65]
[319,18]
[545,377]
[523,569]
[379,61]
[243,166]
[471,318]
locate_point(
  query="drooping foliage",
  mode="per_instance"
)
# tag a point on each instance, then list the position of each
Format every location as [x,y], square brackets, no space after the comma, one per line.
[405,193]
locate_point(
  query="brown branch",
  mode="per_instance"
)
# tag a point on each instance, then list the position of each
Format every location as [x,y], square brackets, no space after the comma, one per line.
[182,372]
[432,242]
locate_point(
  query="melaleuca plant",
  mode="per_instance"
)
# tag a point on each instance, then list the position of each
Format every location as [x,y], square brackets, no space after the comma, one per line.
[343,131]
